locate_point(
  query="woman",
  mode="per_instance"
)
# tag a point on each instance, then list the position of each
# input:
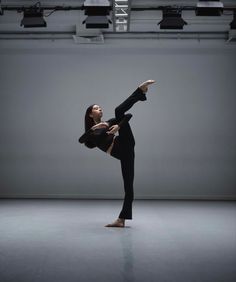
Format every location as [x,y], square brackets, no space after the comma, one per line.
[101,134]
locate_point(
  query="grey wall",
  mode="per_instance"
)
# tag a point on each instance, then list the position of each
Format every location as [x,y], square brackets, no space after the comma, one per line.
[185,132]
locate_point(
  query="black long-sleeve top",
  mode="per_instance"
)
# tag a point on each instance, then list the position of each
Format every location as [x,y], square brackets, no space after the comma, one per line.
[99,137]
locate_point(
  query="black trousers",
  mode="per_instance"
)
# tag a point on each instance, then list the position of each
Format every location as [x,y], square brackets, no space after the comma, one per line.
[123,150]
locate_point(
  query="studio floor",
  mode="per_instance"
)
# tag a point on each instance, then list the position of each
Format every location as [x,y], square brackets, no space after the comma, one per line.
[56,240]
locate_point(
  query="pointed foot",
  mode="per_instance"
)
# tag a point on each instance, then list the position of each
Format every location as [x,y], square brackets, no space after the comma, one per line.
[144,86]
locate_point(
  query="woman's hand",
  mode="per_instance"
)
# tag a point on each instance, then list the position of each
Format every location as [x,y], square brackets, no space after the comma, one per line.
[113,129]
[99,125]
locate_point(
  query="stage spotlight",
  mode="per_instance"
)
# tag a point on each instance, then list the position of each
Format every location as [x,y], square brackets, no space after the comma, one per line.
[209,8]
[97,22]
[233,23]
[1,10]
[171,19]
[33,17]
[97,12]
[97,7]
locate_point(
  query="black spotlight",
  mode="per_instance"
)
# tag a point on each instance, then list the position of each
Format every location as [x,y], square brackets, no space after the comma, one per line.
[209,8]
[97,12]
[172,19]
[33,17]
[97,22]
[233,23]
[1,10]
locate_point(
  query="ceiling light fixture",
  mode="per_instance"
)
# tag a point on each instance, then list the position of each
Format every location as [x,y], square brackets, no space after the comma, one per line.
[33,17]
[209,8]
[172,19]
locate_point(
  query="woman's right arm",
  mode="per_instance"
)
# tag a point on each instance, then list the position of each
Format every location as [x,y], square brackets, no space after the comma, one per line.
[100,125]
[83,138]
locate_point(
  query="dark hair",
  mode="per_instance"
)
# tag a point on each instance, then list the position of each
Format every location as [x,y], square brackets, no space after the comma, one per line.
[88,123]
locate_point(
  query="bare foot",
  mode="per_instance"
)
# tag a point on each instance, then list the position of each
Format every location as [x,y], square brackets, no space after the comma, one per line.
[120,222]
[144,86]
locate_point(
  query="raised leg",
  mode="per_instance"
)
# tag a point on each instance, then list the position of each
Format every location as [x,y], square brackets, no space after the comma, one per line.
[137,95]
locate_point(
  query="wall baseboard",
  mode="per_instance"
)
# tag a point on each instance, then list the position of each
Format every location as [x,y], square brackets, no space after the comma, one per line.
[118,197]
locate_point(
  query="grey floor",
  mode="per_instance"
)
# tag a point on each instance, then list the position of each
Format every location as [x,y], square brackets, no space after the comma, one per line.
[65,240]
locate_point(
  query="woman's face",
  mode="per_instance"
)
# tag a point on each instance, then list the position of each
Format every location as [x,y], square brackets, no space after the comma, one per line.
[96,112]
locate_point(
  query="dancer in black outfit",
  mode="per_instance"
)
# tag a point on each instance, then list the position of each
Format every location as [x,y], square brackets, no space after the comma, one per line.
[102,135]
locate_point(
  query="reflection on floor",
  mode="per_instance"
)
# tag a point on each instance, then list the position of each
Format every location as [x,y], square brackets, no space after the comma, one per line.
[65,241]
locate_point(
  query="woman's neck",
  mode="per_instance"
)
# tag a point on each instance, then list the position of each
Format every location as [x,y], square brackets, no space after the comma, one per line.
[97,121]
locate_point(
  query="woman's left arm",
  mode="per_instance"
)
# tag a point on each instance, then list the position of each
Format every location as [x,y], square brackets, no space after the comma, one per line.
[113,129]
[118,124]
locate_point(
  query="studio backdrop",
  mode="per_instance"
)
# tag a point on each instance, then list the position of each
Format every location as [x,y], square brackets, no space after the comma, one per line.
[185,132]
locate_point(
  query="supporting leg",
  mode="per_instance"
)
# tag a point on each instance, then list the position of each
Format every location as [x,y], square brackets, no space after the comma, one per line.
[127,167]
